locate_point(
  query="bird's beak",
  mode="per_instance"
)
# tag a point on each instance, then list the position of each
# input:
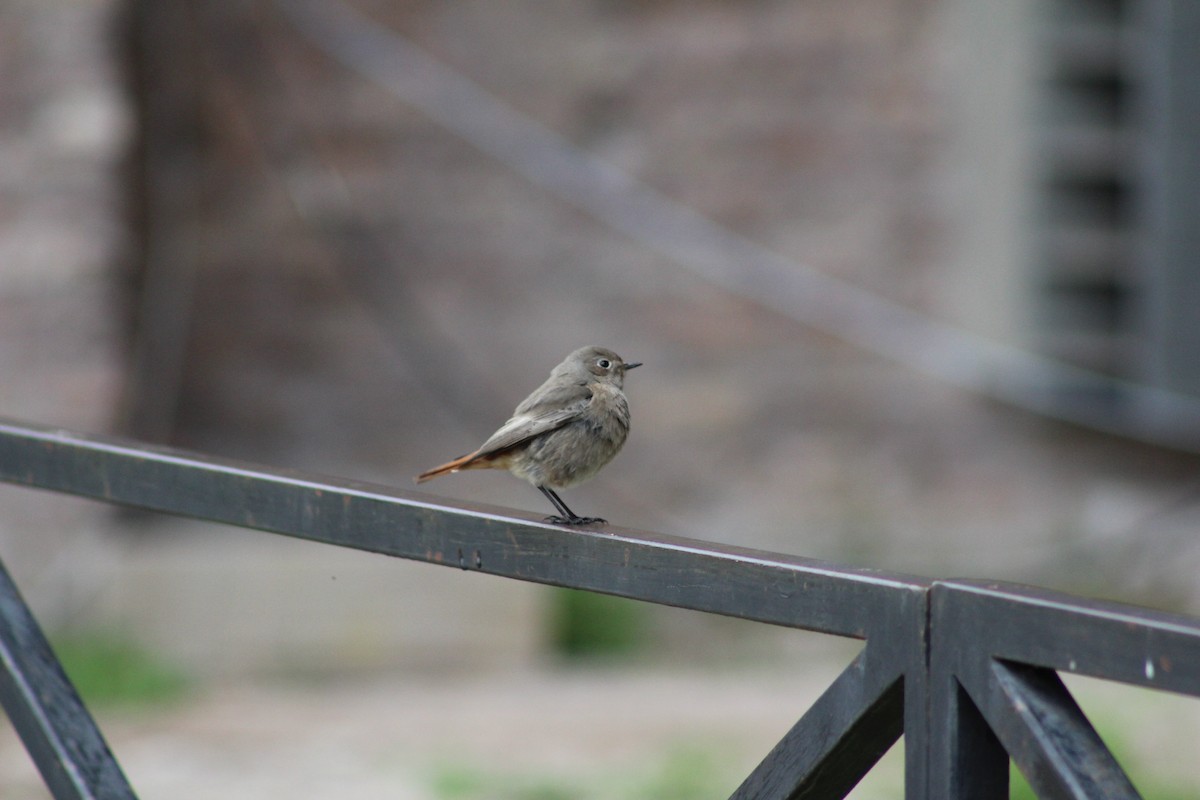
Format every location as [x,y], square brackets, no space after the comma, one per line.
[634,364]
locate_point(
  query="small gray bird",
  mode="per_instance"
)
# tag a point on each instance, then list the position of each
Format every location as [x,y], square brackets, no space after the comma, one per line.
[563,433]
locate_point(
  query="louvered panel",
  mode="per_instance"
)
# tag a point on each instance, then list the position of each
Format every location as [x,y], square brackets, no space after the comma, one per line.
[1084,265]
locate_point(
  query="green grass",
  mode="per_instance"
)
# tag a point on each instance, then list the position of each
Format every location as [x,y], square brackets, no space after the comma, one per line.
[1150,789]
[465,783]
[684,773]
[110,669]
[590,625]
[679,773]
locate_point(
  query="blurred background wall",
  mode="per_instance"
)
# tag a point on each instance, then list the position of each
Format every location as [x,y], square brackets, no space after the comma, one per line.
[218,234]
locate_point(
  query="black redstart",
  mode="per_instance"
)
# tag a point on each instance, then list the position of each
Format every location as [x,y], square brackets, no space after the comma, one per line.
[563,433]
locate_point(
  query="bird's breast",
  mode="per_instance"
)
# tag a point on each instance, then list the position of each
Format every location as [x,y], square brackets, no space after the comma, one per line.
[576,451]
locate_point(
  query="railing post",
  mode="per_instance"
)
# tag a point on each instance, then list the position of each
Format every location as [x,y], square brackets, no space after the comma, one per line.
[917,727]
[965,760]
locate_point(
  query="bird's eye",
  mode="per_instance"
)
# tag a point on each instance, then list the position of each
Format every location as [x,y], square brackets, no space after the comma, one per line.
[604,363]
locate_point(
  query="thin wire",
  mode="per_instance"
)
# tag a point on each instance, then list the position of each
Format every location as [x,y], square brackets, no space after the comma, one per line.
[986,367]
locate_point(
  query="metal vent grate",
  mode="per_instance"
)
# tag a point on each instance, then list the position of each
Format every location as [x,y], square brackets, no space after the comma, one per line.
[1117,211]
[1084,241]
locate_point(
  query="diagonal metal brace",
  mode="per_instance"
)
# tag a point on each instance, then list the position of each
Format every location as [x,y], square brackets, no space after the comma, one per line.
[47,713]
[1050,739]
[837,741]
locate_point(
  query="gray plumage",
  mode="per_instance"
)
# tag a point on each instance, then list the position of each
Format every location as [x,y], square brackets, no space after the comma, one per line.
[564,432]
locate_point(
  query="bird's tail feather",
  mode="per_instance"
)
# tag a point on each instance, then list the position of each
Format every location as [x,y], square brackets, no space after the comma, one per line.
[462,462]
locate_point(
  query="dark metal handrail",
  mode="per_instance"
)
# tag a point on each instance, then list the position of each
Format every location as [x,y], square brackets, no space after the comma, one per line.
[928,666]
[995,692]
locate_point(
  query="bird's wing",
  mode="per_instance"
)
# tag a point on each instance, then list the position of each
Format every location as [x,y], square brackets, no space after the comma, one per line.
[529,422]
[547,409]
[554,395]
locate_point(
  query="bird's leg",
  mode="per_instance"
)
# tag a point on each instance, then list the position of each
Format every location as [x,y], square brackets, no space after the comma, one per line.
[566,515]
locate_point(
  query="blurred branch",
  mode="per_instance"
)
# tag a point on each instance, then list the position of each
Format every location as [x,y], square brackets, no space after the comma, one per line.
[957,356]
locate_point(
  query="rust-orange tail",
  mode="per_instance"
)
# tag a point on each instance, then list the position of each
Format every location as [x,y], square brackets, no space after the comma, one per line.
[462,462]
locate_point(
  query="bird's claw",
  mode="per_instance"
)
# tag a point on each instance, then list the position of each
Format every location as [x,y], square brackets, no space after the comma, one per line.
[557,520]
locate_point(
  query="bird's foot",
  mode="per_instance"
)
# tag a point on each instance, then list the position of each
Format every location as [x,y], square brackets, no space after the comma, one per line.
[557,520]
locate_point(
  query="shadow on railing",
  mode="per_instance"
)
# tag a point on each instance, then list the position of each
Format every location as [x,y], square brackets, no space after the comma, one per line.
[965,671]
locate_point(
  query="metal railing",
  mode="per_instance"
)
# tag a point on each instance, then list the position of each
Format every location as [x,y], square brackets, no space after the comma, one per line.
[965,671]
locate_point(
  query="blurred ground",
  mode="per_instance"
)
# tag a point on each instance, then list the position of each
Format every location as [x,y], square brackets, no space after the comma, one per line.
[629,734]
[599,734]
